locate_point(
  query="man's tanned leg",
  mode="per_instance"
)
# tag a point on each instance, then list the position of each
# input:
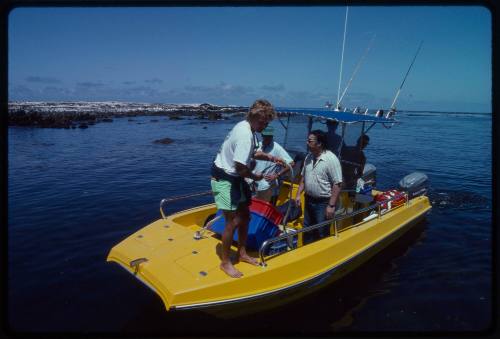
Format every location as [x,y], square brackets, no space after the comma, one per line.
[227,239]
[243,218]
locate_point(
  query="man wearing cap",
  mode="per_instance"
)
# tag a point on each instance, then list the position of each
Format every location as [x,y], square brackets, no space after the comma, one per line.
[268,189]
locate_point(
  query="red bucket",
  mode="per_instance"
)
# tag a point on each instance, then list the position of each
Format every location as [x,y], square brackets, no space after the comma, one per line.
[266,210]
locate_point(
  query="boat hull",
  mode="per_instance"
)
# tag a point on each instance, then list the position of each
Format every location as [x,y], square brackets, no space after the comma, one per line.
[175,274]
[237,308]
[330,281]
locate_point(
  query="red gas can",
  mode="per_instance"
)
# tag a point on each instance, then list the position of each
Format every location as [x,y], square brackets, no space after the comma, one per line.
[399,199]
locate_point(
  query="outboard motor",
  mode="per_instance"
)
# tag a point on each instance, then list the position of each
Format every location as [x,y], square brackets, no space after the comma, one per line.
[415,184]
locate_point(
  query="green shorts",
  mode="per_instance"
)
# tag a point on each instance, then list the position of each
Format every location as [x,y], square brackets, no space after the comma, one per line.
[229,195]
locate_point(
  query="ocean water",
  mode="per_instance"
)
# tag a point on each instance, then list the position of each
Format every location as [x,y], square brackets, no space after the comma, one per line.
[73,194]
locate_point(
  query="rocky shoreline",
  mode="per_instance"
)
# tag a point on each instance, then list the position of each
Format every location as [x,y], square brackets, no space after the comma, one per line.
[84,114]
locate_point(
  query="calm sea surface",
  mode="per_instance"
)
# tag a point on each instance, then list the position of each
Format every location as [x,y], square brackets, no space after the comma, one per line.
[73,194]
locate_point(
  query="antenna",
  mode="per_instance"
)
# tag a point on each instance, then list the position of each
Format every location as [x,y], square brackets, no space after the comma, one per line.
[356,69]
[342,58]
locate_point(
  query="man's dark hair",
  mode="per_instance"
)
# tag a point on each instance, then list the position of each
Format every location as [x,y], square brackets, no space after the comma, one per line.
[332,123]
[320,137]
[364,139]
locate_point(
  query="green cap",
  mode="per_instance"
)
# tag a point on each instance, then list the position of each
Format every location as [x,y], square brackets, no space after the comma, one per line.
[268,131]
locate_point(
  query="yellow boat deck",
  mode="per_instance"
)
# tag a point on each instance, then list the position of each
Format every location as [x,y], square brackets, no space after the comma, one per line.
[185,272]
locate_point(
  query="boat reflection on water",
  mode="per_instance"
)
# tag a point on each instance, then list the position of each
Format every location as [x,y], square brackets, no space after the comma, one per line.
[351,293]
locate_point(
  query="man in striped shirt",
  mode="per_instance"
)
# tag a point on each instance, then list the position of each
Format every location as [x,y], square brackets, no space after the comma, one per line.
[321,180]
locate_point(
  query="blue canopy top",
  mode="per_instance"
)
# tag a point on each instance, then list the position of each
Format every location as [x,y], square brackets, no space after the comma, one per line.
[346,117]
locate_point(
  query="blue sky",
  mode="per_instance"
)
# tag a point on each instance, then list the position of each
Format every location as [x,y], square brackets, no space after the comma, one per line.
[233,55]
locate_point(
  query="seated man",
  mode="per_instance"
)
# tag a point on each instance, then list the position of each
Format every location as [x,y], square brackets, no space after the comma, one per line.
[353,162]
[268,189]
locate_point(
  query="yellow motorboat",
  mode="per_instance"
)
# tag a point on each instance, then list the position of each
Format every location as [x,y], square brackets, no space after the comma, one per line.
[178,255]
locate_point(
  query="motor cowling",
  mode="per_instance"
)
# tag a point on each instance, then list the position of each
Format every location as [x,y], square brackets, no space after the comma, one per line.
[416,184]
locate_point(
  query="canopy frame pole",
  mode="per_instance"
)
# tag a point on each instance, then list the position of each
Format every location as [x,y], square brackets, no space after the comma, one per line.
[285,141]
[369,128]
[309,127]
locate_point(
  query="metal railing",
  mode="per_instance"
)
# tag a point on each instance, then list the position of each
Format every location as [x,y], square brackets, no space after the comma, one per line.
[286,235]
[376,206]
[163,202]
[290,198]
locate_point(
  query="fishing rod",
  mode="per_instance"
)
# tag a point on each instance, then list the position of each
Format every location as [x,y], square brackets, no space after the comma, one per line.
[404,79]
[356,69]
[342,58]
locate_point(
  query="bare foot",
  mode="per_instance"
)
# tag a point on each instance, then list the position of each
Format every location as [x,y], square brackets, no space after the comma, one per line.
[248,259]
[229,269]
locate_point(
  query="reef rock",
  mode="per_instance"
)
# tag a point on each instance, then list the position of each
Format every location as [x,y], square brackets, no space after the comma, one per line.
[164,141]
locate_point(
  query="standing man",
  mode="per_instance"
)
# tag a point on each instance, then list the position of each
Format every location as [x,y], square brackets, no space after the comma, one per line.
[231,192]
[321,180]
[268,189]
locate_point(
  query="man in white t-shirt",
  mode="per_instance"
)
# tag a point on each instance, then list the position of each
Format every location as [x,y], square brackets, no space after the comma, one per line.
[231,192]
[268,189]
